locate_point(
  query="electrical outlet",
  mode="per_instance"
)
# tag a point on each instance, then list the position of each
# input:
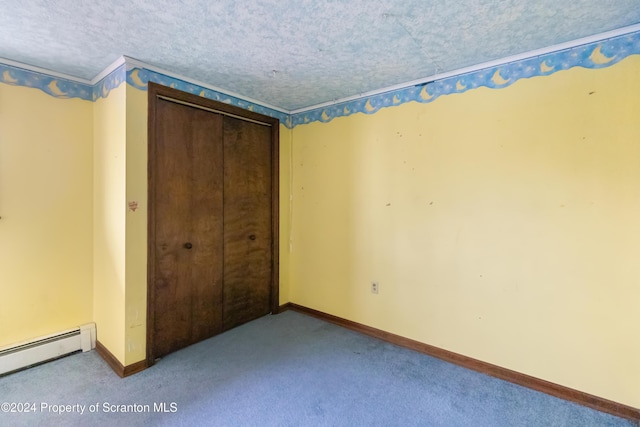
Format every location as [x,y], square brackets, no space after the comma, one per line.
[375,288]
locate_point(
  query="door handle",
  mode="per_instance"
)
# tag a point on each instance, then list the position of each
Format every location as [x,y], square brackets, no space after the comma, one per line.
[188,245]
[252,237]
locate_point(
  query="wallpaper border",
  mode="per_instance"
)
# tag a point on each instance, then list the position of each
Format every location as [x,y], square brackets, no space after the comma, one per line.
[595,55]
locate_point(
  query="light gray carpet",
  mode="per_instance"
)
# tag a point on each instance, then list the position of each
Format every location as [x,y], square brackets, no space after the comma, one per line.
[287,370]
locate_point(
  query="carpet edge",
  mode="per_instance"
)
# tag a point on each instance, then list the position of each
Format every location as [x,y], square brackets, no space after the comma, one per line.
[585,399]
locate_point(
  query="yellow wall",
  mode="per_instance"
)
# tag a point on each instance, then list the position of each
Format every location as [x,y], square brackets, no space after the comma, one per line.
[136,236]
[109,200]
[500,224]
[286,140]
[46,209]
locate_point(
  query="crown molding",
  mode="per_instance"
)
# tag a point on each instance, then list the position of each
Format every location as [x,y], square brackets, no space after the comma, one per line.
[131,63]
[135,63]
[110,69]
[44,71]
[489,64]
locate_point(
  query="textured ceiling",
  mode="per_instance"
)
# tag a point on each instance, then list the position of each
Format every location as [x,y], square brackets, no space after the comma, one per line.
[320,50]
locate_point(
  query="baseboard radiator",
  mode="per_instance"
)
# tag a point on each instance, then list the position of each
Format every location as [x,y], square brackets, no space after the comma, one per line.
[34,352]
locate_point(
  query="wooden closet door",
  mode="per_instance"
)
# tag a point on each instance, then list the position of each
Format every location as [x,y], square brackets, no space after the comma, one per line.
[213,218]
[188,213]
[248,239]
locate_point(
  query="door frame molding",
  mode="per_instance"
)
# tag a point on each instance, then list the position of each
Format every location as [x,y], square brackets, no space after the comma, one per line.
[157,92]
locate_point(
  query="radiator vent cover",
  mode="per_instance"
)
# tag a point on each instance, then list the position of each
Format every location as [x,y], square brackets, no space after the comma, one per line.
[43,349]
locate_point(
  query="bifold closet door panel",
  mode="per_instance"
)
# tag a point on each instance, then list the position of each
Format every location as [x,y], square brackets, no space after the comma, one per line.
[188,226]
[247,221]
